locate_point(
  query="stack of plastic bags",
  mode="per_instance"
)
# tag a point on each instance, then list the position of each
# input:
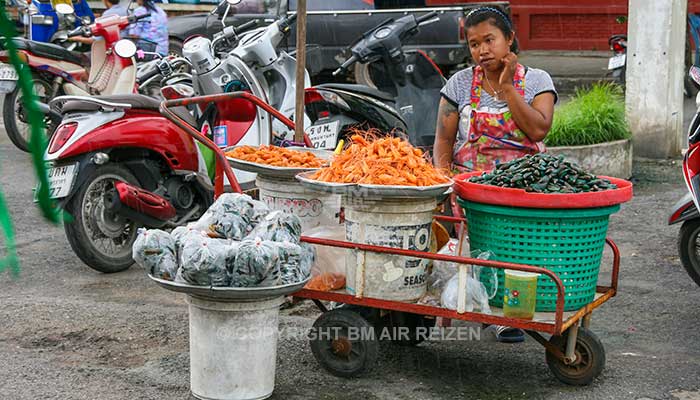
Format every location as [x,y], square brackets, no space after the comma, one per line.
[238,242]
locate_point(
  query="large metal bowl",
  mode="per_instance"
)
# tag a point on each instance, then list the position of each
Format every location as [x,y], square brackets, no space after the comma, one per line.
[273,171]
[230,293]
[373,191]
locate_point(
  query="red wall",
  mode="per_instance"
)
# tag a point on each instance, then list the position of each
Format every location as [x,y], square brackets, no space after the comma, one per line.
[566,25]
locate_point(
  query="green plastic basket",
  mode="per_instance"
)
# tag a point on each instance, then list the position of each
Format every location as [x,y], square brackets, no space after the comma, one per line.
[567,242]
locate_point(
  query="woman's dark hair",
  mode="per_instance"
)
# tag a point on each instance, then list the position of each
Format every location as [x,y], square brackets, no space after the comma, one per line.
[497,18]
[150,5]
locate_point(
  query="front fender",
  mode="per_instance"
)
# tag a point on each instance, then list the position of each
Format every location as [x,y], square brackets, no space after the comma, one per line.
[683,210]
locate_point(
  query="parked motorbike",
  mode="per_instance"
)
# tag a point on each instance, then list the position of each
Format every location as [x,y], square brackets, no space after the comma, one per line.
[117,164]
[686,210]
[398,90]
[617,64]
[42,20]
[57,71]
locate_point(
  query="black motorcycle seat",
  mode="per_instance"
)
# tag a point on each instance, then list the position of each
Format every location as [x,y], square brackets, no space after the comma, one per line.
[51,51]
[366,90]
[137,101]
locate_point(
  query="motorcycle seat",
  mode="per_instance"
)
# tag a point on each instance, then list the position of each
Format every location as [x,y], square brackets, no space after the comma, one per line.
[366,90]
[137,101]
[52,51]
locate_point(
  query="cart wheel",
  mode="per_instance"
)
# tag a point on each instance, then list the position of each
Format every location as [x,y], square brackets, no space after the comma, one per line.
[590,358]
[397,320]
[343,342]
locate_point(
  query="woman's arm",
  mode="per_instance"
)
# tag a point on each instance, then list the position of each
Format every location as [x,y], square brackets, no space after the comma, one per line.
[534,120]
[445,134]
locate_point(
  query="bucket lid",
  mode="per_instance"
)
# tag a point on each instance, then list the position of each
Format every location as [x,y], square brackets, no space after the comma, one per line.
[522,274]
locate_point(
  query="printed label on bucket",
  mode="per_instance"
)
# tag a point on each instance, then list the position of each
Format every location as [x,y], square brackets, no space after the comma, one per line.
[411,237]
[302,208]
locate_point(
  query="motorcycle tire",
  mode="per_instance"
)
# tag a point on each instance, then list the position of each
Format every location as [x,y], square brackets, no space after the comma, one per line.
[688,248]
[18,130]
[90,221]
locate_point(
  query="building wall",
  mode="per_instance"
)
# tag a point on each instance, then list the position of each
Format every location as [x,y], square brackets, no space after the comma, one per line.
[567,25]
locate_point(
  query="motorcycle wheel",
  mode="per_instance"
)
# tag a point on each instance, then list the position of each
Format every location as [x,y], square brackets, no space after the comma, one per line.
[15,117]
[689,248]
[99,238]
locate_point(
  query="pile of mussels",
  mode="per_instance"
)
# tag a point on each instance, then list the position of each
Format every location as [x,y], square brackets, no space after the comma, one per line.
[543,173]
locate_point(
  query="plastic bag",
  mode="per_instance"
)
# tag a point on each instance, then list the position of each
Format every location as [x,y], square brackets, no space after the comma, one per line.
[278,226]
[294,261]
[232,216]
[476,294]
[156,251]
[328,270]
[442,271]
[256,264]
[206,261]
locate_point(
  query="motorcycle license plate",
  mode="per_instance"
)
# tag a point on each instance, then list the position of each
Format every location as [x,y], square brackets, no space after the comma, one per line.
[60,180]
[324,136]
[8,78]
[617,61]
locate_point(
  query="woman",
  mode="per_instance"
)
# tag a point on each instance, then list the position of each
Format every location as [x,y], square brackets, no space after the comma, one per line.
[494,112]
[497,110]
[153,29]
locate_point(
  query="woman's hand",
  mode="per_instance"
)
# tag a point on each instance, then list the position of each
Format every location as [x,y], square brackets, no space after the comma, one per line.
[510,63]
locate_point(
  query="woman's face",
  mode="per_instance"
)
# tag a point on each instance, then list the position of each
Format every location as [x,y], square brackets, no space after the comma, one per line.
[139,2]
[488,45]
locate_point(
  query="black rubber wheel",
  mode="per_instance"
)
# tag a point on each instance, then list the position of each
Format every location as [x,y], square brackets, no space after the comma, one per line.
[405,327]
[590,358]
[99,238]
[15,118]
[175,47]
[343,342]
[689,248]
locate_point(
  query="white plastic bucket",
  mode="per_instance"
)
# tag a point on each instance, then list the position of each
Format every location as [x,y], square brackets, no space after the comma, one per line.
[401,223]
[233,348]
[313,208]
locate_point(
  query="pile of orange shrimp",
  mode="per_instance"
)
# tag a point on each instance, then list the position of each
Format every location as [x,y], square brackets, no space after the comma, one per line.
[277,156]
[381,161]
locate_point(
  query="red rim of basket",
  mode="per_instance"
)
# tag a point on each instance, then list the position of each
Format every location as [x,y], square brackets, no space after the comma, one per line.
[510,197]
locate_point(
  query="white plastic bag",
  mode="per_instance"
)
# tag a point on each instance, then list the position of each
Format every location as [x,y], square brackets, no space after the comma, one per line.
[156,251]
[206,261]
[476,294]
[328,270]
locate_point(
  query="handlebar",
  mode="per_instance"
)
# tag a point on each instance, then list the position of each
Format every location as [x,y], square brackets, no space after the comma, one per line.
[353,59]
[149,76]
[135,18]
[244,27]
[427,16]
[79,31]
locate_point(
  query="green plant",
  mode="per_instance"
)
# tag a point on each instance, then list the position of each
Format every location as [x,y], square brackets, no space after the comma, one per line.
[594,115]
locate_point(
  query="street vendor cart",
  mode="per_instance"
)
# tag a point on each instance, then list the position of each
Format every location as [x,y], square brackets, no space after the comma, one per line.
[574,354]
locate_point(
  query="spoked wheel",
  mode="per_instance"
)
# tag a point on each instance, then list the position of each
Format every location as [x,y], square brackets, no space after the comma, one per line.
[14,114]
[343,342]
[589,363]
[689,248]
[101,239]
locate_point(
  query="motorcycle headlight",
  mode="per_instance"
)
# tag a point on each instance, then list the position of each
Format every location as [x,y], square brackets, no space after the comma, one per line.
[42,20]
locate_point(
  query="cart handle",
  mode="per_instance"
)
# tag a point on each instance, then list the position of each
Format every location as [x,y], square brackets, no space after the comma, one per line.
[559,311]
[215,98]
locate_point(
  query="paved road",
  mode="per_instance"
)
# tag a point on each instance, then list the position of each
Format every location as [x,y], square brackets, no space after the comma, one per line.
[69,332]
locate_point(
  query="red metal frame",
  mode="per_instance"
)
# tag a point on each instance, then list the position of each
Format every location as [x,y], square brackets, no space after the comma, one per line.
[557,328]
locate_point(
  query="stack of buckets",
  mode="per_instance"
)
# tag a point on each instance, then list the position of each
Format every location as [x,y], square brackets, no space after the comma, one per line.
[564,233]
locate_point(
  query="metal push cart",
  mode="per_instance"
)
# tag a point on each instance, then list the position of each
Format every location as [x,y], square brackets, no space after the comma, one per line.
[574,354]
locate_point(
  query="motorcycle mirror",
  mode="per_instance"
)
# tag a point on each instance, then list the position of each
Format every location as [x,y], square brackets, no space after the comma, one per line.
[125,48]
[64,9]
[233,2]
[695,74]
[86,20]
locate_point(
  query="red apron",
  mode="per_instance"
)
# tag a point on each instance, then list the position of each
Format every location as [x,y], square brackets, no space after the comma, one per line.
[488,137]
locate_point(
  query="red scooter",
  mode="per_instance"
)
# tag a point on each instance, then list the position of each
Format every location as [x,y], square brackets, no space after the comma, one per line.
[686,210]
[117,164]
